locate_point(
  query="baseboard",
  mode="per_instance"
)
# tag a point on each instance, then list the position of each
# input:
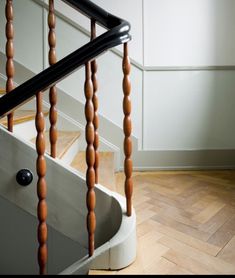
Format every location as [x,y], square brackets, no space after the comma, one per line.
[184,160]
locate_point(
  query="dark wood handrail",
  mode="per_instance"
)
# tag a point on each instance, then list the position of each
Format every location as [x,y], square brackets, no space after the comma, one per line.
[117,34]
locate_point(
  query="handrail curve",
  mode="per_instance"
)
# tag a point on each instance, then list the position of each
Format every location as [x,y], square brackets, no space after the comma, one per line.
[118,33]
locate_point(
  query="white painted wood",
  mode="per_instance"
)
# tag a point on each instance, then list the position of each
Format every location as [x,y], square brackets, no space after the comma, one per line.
[117,253]
[66,199]
[19,244]
[68,157]
[67,212]
[26,130]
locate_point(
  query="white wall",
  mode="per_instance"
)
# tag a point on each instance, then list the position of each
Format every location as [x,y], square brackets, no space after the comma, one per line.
[189,110]
[28,39]
[124,10]
[183,110]
[189,32]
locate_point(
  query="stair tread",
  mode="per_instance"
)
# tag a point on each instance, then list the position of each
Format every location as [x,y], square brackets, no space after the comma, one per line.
[2,91]
[21,116]
[106,168]
[64,141]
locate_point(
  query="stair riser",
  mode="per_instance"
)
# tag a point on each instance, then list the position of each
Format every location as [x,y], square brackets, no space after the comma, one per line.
[26,130]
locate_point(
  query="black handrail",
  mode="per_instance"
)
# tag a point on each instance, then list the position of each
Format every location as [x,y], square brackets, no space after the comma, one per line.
[117,34]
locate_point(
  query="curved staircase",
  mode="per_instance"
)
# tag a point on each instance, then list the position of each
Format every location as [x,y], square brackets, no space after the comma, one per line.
[119,237]
[81,222]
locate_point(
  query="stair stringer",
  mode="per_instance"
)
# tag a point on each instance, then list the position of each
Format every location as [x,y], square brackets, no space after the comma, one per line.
[66,199]
[117,253]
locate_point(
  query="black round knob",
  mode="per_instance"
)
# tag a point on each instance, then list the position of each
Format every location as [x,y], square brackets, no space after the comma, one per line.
[24,177]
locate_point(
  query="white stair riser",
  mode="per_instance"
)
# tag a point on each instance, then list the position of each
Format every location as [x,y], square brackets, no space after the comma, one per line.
[26,130]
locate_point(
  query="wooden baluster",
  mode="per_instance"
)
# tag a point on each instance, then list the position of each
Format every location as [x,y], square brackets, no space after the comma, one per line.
[127,130]
[90,160]
[53,91]
[95,103]
[41,186]
[10,69]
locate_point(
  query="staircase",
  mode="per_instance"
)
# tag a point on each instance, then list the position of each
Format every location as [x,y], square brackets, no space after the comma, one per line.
[68,149]
[72,158]
[70,211]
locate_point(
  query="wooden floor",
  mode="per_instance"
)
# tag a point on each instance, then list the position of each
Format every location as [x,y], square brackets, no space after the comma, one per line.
[185,223]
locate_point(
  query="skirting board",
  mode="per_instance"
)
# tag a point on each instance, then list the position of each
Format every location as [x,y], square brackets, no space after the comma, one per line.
[184,160]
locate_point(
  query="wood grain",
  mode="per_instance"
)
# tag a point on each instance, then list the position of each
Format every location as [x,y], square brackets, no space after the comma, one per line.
[65,141]
[21,116]
[10,68]
[2,91]
[41,187]
[53,90]
[185,222]
[127,127]
[94,69]
[90,160]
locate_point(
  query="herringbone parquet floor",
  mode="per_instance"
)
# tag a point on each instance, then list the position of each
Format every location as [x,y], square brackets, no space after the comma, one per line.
[185,222]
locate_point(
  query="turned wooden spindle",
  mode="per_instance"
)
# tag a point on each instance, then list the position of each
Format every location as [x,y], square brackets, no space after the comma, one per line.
[41,186]
[53,91]
[94,68]
[10,69]
[90,160]
[127,130]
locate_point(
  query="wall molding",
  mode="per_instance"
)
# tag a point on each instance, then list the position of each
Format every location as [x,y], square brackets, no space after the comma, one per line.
[184,160]
[189,68]
[144,160]
[133,62]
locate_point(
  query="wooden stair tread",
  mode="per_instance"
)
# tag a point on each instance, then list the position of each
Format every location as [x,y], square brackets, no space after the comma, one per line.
[2,91]
[21,116]
[106,168]
[64,142]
